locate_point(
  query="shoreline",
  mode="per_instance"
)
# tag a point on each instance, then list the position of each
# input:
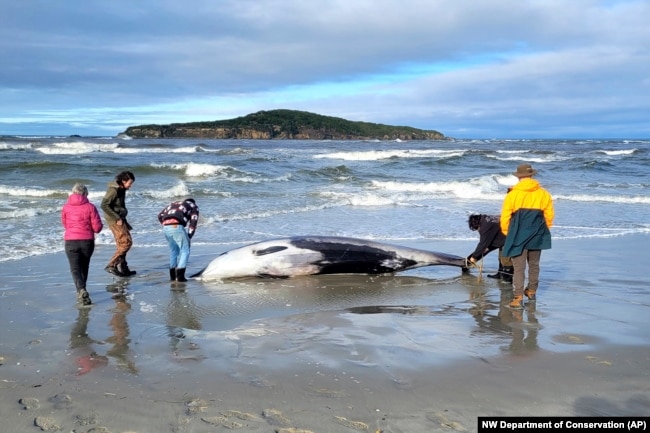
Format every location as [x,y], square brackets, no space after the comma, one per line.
[418,352]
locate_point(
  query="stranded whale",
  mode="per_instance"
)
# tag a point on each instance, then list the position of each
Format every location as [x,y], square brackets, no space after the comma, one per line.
[314,255]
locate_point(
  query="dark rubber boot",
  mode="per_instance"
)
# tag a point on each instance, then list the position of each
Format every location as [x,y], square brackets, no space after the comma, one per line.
[113,270]
[172,274]
[499,273]
[180,275]
[506,274]
[125,271]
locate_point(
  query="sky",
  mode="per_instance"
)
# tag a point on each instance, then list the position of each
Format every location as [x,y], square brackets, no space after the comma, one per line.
[467,68]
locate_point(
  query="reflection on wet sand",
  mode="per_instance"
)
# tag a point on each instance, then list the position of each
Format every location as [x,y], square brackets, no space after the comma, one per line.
[298,308]
[120,339]
[85,348]
[522,325]
[524,333]
[182,314]
[82,345]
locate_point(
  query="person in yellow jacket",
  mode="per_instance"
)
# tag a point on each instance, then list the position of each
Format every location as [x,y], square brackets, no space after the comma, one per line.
[526,218]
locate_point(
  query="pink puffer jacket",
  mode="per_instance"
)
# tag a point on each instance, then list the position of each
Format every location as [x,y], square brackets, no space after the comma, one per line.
[80,219]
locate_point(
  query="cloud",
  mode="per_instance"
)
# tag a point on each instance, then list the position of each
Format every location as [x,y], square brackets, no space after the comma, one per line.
[495,68]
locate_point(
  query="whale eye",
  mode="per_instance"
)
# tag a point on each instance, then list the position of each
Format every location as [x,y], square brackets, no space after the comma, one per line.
[269,250]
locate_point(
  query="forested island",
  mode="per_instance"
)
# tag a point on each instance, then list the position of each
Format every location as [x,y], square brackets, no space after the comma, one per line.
[283,124]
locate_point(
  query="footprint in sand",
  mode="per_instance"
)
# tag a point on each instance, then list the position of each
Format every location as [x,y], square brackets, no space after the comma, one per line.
[84,420]
[444,421]
[354,425]
[244,416]
[222,421]
[46,423]
[599,361]
[275,417]
[29,403]
[196,405]
[61,401]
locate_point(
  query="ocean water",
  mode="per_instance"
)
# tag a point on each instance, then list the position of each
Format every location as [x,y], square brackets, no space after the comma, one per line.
[247,191]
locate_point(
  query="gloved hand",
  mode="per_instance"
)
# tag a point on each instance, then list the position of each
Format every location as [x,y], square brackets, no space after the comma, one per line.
[468,265]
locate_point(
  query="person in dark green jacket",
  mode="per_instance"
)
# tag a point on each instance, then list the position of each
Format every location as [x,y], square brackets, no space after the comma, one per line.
[526,218]
[115,212]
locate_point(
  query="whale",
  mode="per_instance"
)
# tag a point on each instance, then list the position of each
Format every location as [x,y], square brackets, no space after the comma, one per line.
[317,255]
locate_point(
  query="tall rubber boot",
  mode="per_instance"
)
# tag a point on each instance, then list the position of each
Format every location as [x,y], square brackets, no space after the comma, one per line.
[172,274]
[507,273]
[124,270]
[180,275]
[499,273]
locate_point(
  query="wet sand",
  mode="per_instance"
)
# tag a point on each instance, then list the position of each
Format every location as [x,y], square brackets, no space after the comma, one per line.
[428,350]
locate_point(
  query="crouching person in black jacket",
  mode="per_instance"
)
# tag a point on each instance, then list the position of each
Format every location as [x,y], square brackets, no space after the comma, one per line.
[491,238]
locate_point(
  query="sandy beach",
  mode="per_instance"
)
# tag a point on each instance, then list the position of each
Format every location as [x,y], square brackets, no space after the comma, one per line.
[429,350]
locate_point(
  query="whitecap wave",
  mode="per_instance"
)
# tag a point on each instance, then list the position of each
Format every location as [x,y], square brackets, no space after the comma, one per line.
[28,192]
[76,147]
[188,149]
[622,152]
[178,190]
[376,155]
[604,198]
[194,169]
[483,188]
[15,146]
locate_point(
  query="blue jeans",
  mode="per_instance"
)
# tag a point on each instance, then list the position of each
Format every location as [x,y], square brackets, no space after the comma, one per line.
[179,246]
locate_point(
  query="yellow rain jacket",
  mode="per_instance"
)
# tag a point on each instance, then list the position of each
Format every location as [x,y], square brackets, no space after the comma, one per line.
[526,217]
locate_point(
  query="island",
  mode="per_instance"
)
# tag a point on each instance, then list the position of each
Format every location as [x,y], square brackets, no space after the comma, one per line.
[283,124]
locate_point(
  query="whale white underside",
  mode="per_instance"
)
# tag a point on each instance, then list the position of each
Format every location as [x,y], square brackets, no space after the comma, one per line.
[314,255]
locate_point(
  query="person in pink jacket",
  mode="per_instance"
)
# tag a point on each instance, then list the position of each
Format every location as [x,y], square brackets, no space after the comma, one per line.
[81,221]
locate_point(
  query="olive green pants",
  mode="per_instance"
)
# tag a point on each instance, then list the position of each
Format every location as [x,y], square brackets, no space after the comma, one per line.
[530,259]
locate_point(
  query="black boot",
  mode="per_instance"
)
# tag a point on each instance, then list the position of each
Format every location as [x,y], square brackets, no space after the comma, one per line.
[506,274]
[180,275]
[113,270]
[499,273]
[172,274]
[125,271]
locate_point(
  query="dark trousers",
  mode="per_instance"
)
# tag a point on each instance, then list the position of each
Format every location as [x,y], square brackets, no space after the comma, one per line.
[79,254]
